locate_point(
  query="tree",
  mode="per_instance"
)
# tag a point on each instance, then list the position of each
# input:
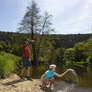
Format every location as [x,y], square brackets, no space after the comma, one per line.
[30,23]
[34,23]
[69,55]
[88,50]
[88,47]
[59,52]
[2,45]
[79,55]
[44,30]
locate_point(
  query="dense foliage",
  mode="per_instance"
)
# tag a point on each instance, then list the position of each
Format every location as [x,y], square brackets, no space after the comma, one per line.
[69,40]
[50,49]
[80,53]
[7,63]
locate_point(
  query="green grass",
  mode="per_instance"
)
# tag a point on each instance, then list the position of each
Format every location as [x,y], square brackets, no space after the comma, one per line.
[7,64]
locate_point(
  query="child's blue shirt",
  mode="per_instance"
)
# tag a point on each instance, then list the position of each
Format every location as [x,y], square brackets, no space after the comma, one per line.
[49,74]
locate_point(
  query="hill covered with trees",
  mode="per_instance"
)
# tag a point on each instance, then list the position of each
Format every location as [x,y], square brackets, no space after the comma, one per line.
[58,49]
[60,40]
[68,40]
[50,45]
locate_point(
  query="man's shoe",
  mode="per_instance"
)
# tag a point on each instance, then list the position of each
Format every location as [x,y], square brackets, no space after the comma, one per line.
[22,78]
[28,78]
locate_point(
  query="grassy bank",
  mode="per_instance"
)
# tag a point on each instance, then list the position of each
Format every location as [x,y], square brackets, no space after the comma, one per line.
[7,64]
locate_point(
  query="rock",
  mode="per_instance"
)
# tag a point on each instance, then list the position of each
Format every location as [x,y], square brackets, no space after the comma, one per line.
[14,84]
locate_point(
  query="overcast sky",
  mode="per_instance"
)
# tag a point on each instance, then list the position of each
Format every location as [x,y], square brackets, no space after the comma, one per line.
[69,16]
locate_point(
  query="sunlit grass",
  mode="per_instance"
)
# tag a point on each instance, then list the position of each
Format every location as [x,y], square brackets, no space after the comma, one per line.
[7,64]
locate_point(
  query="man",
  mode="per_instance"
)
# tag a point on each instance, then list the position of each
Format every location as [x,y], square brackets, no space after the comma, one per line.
[26,59]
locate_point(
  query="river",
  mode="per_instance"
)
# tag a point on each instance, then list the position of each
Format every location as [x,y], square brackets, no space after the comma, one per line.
[65,84]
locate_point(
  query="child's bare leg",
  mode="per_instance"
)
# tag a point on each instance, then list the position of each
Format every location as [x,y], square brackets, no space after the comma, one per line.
[51,80]
[46,82]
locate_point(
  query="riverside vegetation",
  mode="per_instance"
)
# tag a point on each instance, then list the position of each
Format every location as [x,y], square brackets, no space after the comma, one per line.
[53,49]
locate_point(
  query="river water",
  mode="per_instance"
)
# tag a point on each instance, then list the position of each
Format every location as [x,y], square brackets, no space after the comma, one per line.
[68,82]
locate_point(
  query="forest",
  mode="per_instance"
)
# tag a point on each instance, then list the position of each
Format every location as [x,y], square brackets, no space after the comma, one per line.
[53,48]
[58,49]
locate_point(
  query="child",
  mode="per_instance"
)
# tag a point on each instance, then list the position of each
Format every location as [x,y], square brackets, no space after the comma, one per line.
[48,77]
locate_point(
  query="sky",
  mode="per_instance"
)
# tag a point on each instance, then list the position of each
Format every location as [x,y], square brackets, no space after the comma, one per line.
[69,16]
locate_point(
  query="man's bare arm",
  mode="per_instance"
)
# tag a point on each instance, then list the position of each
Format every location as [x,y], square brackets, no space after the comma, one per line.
[27,47]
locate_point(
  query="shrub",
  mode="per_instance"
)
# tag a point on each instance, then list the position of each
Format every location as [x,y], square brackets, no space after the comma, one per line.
[7,64]
[89,59]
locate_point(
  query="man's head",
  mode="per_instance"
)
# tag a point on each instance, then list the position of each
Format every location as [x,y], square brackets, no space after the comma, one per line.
[27,42]
[53,67]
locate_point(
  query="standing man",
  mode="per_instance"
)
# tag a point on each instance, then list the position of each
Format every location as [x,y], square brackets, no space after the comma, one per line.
[26,59]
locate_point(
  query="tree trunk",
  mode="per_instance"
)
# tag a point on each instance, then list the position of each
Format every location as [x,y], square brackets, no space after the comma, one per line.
[33,46]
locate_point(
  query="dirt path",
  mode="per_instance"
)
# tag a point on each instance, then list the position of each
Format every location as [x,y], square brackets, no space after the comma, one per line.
[14,84]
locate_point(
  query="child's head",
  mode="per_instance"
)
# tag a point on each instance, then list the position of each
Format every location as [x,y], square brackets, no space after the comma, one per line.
[53,67]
